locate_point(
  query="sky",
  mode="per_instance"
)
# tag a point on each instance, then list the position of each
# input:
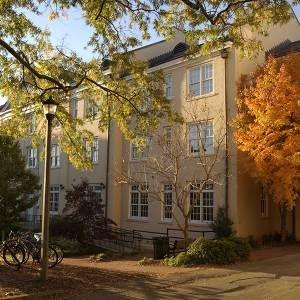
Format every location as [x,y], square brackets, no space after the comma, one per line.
[74,33]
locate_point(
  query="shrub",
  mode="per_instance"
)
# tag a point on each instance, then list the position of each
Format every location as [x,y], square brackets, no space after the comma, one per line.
[72,247]
[146,261]
[182,259]
[222,225]
[100,257]
[204,251]
[241,247]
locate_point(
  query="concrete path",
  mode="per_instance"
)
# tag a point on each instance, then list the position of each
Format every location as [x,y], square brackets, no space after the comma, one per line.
[277,278]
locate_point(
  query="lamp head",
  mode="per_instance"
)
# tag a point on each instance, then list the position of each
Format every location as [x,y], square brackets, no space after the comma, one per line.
[50,107]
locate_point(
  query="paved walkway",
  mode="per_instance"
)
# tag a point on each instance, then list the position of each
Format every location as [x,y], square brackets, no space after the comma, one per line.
[277,278]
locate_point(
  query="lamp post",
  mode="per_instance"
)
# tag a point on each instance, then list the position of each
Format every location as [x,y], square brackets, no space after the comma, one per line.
[49,107]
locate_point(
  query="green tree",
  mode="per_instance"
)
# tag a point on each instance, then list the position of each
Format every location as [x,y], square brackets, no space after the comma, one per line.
[18,186]
[33,69]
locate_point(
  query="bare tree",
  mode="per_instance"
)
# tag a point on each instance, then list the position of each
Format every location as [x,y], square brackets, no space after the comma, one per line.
[184,162]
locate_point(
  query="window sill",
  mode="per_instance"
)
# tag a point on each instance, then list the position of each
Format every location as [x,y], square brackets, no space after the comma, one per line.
[55,167]
[207,224]
[169,222]
[140,220]
[195,98]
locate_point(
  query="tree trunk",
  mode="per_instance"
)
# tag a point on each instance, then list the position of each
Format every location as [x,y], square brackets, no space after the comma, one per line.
[283,213]
[186,234]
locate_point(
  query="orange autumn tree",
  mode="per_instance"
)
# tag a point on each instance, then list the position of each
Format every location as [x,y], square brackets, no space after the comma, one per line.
[268,128]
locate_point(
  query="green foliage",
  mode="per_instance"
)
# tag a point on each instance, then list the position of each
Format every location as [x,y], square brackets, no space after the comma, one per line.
[182,259]
[241,247]
[32,68]
[63,226]
[222,225]
[204,251]
[100,257]
[147,261]
[72,247]
[18,186]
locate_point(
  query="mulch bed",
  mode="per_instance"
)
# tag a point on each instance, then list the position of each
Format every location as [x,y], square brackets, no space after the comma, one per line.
[69,280]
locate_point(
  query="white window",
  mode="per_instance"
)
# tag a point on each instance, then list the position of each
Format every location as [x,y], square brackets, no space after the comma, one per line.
[202,203]
[137,154]
[139,206]
[90,109]
[169,86]
[201,138]
[74,107]
[264,202]
[168,202]
[201,80]
[93,150]
[54,198]
[32,124]
[97,189]
[31,157]
[55,156]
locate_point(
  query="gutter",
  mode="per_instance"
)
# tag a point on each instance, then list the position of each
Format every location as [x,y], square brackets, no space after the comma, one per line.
[107,162]
[224,55]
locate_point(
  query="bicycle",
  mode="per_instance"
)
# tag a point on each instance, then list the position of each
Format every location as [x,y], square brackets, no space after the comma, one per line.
[13,253]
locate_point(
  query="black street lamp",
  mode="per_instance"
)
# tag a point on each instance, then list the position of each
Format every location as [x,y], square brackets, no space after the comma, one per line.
[50,107]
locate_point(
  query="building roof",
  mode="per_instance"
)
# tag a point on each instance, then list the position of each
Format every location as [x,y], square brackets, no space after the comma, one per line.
[284,48]
[178,51]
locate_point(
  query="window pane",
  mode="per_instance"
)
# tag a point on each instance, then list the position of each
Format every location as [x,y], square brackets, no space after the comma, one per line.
[194,82]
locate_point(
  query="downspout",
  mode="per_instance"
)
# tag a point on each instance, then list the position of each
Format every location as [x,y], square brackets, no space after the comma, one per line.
[224,55]
[107,160]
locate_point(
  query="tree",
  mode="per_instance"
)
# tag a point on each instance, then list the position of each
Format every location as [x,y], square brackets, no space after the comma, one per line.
[18,186]
[187,172]
[267,128]
[32,69]
[84,209]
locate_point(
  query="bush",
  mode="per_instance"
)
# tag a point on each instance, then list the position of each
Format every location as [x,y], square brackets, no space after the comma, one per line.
[182,259]
[204,251]
[147,261]
[100,257]
[72,247]
[222,225]
[60,225]
[241,247]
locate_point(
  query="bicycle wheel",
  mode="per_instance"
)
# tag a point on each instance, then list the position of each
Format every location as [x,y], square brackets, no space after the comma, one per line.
[59,252]
[52,257]
[13,254]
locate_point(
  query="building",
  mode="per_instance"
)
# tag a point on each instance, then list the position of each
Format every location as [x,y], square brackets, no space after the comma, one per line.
[207,79]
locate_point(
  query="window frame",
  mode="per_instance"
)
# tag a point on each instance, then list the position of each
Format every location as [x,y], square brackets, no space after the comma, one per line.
[200,67]
[201,206]
[53,203]
[56,157]
[169,85]
[35,157]
[91,150]
[139,203]
[164,206]
[94,111]
[140,156]
[200,143]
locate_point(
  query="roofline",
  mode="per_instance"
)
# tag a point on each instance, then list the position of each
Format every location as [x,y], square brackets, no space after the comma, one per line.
[146,46]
